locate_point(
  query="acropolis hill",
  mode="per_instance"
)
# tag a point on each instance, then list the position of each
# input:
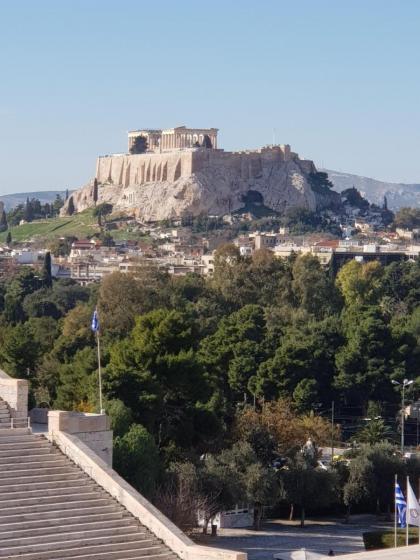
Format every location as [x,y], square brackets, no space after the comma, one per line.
[184,173]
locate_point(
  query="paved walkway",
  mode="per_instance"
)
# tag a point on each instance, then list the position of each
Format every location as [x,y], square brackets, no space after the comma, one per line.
[280,535]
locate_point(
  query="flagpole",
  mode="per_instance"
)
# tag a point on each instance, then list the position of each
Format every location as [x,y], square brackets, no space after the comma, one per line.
[418,500]
[395,511]
[407,518]
[99,372]
[95,326]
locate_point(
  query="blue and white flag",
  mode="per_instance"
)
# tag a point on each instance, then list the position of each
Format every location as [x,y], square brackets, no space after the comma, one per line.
[401,505]
[95,322]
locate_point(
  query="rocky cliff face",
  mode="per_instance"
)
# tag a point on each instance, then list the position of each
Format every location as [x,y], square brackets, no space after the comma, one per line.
[202,183]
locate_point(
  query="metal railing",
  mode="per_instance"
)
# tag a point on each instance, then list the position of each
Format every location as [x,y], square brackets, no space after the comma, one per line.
[24,422]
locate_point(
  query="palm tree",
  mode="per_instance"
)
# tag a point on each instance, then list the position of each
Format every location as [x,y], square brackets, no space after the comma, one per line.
[375,431]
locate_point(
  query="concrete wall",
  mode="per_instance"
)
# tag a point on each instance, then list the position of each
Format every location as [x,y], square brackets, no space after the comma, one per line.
[15,393]
[92,429]
[135,503]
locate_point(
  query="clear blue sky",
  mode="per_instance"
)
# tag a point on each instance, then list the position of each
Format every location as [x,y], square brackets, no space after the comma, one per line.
[338,80]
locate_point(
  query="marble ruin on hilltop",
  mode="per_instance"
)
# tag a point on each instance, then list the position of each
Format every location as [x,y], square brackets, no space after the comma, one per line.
[159,141]
[183,172]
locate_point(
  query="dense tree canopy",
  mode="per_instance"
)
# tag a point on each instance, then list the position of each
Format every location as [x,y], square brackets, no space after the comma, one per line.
[230,368]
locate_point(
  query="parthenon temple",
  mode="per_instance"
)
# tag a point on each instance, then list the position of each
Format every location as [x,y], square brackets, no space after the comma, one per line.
[175,138]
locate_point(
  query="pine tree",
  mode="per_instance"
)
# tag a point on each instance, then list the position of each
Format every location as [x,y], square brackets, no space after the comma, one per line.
[57,204]
[9,237]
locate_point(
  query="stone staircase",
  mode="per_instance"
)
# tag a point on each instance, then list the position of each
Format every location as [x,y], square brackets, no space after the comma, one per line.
[51,510]
[6,419]
[4,415]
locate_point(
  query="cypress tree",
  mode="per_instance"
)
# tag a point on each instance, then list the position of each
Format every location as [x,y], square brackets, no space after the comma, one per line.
[46,271]
[3,221]
[70,207]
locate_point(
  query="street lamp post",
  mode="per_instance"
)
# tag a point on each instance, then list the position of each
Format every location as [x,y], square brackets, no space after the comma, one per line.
[332,432]
[320,412]
[404,384]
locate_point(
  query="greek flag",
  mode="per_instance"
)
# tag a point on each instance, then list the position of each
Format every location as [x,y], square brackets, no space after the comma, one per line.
[401,505]
[95,322]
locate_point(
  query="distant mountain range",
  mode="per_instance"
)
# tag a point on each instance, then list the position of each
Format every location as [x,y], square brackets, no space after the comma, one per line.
[13,200]
[398,194]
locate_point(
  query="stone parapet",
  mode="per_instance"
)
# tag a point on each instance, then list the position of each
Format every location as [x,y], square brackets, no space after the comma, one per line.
[76,422]
[92,429]
[15,393]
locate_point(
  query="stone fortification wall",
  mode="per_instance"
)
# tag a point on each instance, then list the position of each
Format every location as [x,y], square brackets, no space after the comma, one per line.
[132,170]
[195,181]
[129,170]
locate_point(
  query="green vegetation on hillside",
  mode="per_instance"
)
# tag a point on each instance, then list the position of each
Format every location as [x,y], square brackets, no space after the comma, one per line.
[79,225]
